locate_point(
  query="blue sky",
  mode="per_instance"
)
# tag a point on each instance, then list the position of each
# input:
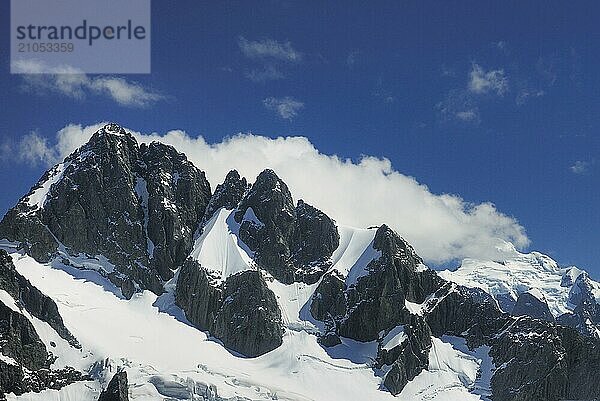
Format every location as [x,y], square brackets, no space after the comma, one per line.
[492,101]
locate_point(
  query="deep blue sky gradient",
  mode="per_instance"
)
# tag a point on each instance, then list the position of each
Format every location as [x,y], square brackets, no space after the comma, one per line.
[409,56]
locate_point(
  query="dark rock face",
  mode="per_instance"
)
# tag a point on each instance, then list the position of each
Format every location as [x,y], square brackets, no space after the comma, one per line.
[315,237]
[249,319]
[242,312]
[464,312]
[291,243]
[36,303]
[528,305]
[20,340]
[375,304]
[228,194]
[178,196]
[542,361]
[117,389]
[585,317]
[329,300]
[377,300]
[197,294]
[536,356]
[137,205]
[409,358]
[29,367]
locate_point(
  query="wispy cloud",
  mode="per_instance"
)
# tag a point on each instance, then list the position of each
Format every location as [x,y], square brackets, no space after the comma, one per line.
[270,58]
[72,83]
[352,57]
[481,81]
[34,150]
[269,49]
[501,45]
[383,93]
[580,167]
[459,105]
[462,104]
[268,73]
[468,115]
[285,107]
[525,95]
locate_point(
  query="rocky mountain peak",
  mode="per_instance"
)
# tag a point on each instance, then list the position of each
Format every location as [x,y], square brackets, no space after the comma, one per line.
[532,303]
[270,200]
[292,243]
[110,136]
[392,245]
[137,205]
[228,194]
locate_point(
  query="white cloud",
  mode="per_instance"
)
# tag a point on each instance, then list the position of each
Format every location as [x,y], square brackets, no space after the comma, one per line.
[70,82]
[34,149]
[580,167]
[481,81]
[286,107]
[501,45]
[459,105]
[468,115]
[441,227]
[269,49]
[527,94]
[268,73]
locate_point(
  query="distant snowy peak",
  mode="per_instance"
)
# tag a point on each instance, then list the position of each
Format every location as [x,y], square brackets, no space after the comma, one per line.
[563,290]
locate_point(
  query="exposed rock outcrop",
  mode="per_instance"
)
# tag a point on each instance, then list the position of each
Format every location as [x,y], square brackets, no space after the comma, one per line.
[117,389]
[375,305]
[34,301]
[242,311]
[25,362]
[249,320]
[376,301]
[228,194]
[197,294]
[585,317]
[530,305]
[408,358]
[291,243]
[542,361]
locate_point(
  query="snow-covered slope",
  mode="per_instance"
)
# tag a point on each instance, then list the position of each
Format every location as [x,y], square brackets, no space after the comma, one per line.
[219,249]
[354,252]
[534,272]
[166,357]
[454,373]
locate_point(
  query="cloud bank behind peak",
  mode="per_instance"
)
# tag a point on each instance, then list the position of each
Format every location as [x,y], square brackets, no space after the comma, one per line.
[360,193]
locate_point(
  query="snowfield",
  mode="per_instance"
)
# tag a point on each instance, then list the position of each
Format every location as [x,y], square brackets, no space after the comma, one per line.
[219,250]
[533,272]
[166,358]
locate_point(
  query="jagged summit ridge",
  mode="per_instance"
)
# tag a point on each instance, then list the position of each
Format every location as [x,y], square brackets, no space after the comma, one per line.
[137,205]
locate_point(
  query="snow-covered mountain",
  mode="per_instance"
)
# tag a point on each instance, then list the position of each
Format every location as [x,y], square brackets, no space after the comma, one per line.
[124,276]
[534,284]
